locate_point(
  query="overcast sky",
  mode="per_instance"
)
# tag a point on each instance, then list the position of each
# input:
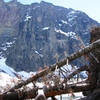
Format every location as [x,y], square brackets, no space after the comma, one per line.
[90,7]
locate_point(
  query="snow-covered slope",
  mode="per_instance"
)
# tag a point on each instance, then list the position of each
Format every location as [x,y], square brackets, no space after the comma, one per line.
[6,82]
[6,69]
[9,77]
[11,72]
[25,75]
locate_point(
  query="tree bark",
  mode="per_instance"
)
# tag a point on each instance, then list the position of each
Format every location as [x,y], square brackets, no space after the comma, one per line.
[58,90]
[94,69]
[19,95]
[73,56]
[93,96]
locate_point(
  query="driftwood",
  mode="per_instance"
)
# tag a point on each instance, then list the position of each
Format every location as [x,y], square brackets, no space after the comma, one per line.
[73,56]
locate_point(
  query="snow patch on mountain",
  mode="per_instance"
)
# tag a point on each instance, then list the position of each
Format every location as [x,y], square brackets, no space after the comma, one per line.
[6,69]
[25,75]
[4,48]
[72,15]
[60,24]
[38,53]
[6,45]
[11,72]
[27,17]
[68,34]
[45,28]
[64,22]
[72,12]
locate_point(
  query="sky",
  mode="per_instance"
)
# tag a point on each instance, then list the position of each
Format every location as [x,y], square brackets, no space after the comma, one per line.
[90,7]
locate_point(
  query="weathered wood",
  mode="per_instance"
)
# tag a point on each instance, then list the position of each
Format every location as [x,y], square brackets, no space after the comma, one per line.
[73,56]
[92,96]
[20,94]
[95,64]
[94,68]
[58,90]
[10,96]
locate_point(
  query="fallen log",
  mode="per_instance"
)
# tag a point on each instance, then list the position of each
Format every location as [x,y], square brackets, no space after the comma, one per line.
[20,94]
[59,64]
[50,92]
[58,90]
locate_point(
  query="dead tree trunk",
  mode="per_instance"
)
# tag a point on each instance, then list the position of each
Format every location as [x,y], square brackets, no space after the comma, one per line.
[19,95]
[61,89]
[94,69]
[94,65]
[76,55]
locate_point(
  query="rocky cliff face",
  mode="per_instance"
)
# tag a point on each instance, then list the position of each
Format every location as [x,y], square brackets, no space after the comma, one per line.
[31,35]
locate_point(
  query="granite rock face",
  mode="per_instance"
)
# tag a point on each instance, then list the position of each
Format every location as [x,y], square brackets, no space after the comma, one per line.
[31,35]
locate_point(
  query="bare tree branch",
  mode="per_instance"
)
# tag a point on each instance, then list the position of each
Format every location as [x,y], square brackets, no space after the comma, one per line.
[83,68]
[20,95]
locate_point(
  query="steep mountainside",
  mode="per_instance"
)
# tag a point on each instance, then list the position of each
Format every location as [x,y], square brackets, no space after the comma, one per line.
[31,35]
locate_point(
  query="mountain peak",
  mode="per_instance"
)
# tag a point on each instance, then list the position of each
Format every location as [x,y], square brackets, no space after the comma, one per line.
[45,3]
